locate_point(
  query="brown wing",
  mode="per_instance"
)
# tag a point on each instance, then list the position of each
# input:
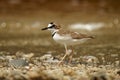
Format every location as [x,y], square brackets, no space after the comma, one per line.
[76,35]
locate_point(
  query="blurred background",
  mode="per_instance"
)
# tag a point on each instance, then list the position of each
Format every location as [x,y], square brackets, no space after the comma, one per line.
[21,22]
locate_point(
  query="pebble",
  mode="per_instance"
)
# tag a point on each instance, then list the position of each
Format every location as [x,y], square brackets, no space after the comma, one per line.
[18,63]
[40,69]
[90,60]
[118,72]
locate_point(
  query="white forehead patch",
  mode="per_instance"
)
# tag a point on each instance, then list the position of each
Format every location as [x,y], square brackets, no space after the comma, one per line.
[49,25]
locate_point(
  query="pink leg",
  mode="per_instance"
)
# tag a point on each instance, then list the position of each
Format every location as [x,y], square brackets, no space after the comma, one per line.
[66,53]
[71,55]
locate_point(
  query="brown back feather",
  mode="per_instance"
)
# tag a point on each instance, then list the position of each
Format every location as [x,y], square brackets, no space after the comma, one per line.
[74,35]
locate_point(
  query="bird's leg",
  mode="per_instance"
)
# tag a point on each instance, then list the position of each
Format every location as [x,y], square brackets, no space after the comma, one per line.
[71,54]
[66,53]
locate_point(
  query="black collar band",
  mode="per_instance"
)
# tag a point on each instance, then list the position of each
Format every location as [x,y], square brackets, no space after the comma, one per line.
[53,34]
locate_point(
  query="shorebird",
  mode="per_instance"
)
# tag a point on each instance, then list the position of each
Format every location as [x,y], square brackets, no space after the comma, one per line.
[66,37]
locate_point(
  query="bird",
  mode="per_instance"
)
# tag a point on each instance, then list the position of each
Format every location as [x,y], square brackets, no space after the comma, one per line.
[66,37]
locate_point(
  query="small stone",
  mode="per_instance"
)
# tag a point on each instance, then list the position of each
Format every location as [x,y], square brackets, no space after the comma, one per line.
[118,72]
[18,63]
[100,76]
[45,57]
[90,59]
[28,56]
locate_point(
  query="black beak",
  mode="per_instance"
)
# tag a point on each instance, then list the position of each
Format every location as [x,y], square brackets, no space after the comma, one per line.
[44,28]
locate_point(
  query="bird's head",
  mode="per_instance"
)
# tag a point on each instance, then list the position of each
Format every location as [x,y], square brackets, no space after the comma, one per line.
[51,26]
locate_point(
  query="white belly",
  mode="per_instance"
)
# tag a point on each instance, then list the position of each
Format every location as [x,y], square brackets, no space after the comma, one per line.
[68,39]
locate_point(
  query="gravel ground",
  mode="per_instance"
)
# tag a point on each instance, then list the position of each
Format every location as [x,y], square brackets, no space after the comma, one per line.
[23,66]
